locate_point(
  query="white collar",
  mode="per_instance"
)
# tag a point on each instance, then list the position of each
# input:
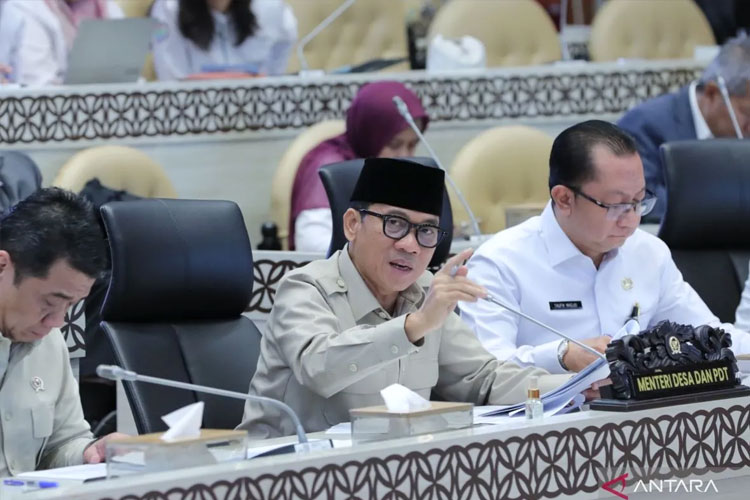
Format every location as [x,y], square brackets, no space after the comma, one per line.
[701,127]
[559,246]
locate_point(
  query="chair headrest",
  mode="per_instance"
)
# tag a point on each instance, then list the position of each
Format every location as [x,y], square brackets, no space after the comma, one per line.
[708,194]
[176,260]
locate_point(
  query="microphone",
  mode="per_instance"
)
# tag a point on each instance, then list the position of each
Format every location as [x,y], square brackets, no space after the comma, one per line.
[404,112]
[490,298]
[113,372]
[317,29]
[725,97]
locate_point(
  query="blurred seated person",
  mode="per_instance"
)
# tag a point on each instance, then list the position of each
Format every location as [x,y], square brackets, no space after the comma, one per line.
[583,266]
[374,128]
[51,251]
[36,36]
[371,315]
[742,315]
[696,111]
[5,72]
[207,36]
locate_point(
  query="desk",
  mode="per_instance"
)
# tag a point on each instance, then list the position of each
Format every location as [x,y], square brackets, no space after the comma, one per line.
[569,455]
[223,139]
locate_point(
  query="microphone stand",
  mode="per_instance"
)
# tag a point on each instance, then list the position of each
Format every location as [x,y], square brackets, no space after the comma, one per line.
[404,112]
[725,97]
[115,373]
[317,29]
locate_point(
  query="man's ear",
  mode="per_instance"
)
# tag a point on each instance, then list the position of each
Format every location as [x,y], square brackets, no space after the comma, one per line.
[6,264]
[352,221]
[563,198]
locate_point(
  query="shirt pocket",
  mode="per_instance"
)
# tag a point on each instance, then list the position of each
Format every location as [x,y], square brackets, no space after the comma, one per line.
[420,374]
[43,419]
[25,435]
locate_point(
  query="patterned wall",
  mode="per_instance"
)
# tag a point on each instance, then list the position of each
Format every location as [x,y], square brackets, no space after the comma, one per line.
[174,111]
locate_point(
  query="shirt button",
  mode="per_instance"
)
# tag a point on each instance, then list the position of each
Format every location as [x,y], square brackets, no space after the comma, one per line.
[340,283]
[394,349]
[353,367]
[382,314]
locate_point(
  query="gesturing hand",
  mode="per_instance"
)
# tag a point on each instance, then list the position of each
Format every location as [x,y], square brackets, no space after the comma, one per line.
[447,289]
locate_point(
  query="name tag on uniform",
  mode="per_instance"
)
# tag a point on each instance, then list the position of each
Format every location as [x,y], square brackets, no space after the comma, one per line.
[565,305]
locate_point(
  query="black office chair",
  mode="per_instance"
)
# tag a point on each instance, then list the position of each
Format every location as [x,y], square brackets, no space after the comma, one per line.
[339,180]
[707,222]
[19,177]
[182,273]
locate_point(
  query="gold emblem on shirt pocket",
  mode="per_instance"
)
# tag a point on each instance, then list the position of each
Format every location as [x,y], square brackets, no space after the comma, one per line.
[43,418]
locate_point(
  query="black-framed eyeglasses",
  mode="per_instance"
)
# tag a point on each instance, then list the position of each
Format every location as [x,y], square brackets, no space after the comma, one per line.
[397,227]
[617,210]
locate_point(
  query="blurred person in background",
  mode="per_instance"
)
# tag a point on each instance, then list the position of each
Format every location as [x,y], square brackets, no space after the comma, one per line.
[374,128]
[206,36]
[36,36]
[696,111]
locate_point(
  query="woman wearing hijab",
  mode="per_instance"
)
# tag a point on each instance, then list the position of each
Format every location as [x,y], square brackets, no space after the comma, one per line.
[374,128]
[207,36]
[36,36]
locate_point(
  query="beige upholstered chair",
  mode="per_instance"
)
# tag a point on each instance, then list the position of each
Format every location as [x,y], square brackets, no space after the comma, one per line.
[140,8]
[501,167]
[135,8]
[283,179]
[367,30]
[117,167]
[648,29]
[514,32]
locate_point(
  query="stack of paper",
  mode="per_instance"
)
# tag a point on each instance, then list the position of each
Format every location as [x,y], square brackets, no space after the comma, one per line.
[557,400]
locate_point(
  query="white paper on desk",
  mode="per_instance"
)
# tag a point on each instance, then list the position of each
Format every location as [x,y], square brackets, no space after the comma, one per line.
[400,399]
[631,327]
[340,428]
[563,394]
[86,472]
[480,413]
[743,363]
[184,423]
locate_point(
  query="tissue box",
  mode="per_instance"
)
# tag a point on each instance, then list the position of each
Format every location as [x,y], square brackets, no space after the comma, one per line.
[149,453]
[375,423]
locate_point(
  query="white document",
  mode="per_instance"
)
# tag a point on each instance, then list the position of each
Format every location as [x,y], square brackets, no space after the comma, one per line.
[81,473]
[341,428]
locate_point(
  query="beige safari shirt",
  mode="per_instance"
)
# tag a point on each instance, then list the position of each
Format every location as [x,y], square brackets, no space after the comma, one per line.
[329,346]
[41,420]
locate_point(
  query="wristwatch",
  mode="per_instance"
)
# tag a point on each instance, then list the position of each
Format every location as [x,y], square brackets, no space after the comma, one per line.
[562,350]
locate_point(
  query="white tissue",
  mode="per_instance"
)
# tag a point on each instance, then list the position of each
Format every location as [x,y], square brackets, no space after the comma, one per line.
[184,422]
[445,54]
[399,399]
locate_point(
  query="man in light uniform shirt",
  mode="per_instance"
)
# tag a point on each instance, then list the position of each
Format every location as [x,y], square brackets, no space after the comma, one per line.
[583,266]
[51,250]
[369,316]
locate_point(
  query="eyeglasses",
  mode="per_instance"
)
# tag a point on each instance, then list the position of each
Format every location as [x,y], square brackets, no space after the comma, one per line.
[617,210]
[397,227]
